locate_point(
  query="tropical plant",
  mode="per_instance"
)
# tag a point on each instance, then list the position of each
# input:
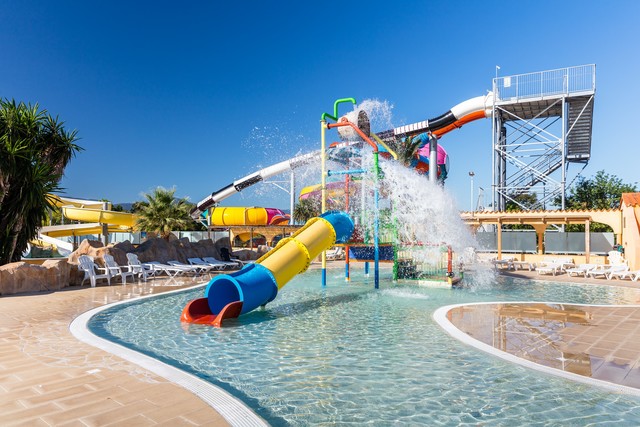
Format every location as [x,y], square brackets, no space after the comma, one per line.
[407,148]
[163,213]
[306,209]
[34,150]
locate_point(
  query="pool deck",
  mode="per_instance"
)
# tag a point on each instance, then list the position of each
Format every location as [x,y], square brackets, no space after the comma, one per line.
[48,377]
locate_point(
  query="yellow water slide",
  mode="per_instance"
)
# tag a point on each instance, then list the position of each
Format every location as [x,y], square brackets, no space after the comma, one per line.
[94,214]
[229,216]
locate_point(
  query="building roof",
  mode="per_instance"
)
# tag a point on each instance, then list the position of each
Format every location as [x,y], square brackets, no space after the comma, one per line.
[631,199]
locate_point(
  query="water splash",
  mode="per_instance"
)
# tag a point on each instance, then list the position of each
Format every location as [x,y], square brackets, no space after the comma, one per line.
[379,112]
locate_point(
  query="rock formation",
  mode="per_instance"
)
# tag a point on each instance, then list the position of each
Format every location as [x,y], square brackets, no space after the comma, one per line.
[20,277]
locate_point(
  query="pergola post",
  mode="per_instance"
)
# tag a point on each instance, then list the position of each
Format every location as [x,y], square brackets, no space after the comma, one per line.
[587,240]
[499,236]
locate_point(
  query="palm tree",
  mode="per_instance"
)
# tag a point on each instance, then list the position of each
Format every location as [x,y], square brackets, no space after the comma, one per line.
[407,149]
[163,212]
[34,150]
[306,209]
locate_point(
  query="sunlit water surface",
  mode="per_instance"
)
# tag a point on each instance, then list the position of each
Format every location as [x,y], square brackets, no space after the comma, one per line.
[351,355]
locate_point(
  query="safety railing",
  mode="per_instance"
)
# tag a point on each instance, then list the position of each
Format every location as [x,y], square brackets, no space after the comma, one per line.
[563,81]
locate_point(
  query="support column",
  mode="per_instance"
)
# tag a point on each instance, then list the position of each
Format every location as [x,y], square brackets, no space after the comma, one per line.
[499,238]
[105,227]
[587,241]
[540,229]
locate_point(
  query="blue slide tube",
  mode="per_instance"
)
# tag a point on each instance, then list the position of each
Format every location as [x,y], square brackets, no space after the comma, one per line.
[254,286]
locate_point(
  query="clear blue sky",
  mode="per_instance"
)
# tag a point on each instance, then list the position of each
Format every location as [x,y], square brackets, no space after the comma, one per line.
[193,95]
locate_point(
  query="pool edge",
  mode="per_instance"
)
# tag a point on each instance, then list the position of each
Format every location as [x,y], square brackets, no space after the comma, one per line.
[232,409]
[440,317]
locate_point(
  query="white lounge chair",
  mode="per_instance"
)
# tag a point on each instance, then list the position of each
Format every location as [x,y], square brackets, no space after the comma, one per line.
[168,269]
[139,268]
[200,262]
[92,271]
[620,268]
[504,263]
[335,254]
[604,270]
[521,265]
[116,270]
[188,267]
[631,274]
[215,261]
[580,270]
[546,267]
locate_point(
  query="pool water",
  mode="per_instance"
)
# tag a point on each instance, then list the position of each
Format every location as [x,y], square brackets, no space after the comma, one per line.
[351,355]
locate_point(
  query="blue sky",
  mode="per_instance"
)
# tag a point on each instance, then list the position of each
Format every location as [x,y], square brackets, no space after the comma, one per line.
[198,94]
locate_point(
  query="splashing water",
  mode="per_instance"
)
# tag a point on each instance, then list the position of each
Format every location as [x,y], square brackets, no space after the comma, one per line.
[423,212]
[379,113]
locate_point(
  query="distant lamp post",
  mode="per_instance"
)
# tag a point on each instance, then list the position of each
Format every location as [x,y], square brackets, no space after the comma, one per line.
[471,174]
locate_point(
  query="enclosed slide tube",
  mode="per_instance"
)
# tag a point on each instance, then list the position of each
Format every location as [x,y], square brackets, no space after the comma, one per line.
[228,296]
[228,216]
[472,109]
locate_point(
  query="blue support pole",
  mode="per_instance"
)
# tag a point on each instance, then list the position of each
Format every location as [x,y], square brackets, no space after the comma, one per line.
[348,172]
[376,224]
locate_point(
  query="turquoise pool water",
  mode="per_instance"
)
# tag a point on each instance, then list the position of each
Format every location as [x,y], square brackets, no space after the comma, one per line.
[350,355]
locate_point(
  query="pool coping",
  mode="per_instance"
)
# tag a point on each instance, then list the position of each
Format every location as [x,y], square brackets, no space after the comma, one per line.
[440,316]
[232,409]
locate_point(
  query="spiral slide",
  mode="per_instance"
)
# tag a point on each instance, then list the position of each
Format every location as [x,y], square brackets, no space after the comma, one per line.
[228,296]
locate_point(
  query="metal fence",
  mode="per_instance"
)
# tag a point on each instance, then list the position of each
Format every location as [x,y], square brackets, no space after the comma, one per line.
[524,241]
[563,81]
[139,237]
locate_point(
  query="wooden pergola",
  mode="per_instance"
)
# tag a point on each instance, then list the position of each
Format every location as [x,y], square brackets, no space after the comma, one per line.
[541,220]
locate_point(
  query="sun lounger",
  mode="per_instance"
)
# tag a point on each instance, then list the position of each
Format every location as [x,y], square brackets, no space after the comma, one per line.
[201,262]
[521,265]
[548,268]
[580,270]
[215,261]
[605,270]
[191,268]
[621,268]
[168,269]
[335,254]
[504,263]
[633,275]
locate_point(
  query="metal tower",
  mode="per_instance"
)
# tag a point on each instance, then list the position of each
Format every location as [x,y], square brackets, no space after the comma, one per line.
[542,124]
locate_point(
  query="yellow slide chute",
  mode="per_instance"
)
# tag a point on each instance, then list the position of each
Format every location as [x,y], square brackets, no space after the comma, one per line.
[94,214]
[230,216]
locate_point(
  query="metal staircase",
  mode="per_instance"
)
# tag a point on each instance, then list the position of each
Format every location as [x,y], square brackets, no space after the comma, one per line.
[542,122]
[580,127]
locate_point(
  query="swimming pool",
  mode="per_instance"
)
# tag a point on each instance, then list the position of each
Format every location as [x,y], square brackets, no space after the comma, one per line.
[350,355]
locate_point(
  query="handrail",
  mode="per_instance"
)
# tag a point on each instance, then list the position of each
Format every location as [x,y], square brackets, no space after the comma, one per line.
[335,109]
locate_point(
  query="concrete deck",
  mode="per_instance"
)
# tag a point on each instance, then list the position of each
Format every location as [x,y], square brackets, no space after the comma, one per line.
[47,377]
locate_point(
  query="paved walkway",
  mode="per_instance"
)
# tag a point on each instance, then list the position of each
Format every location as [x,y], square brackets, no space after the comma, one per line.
[48,377]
